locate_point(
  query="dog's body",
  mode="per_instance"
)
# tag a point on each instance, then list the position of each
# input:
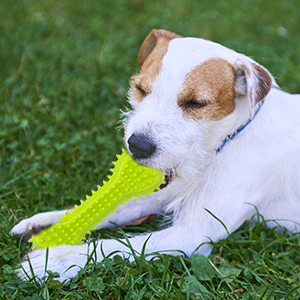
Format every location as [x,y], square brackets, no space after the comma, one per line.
[198,115]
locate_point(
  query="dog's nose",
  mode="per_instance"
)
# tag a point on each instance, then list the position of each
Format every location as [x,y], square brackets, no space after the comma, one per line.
[140,146]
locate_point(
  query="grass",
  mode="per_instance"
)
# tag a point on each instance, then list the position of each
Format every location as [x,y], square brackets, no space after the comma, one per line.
[65,68]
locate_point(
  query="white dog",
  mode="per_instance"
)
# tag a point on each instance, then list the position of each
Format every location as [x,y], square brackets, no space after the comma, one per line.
[227,137]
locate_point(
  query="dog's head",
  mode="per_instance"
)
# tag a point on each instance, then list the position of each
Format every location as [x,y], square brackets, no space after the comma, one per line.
[189,95]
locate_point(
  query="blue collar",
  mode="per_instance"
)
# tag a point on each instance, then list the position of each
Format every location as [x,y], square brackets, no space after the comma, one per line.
[234,134]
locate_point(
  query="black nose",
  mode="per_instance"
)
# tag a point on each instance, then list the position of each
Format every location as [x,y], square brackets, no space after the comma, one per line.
[140,146]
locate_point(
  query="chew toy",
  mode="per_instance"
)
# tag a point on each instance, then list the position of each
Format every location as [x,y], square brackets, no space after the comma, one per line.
[129,179]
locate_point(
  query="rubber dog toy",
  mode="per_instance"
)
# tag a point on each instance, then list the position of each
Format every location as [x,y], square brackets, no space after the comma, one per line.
[129,179]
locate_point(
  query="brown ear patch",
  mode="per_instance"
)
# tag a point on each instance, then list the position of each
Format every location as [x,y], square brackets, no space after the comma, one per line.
[263,83]
[154,38]
[150,58]
[210,84]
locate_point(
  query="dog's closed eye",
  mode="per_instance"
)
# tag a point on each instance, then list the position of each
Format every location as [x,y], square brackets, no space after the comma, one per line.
[194,104]
[142,92]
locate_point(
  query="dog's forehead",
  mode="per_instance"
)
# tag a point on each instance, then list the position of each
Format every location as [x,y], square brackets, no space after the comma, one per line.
[184,54]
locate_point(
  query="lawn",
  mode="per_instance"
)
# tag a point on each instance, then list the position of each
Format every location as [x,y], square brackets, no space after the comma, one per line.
[64,71]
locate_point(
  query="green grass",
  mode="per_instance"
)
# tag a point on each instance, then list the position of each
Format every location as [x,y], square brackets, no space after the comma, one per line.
[65,68]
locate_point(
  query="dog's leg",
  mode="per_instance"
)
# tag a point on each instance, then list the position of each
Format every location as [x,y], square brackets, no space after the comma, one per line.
[131,211]
[189,234]
[63,257]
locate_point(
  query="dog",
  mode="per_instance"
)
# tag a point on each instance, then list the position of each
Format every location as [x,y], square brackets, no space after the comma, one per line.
[227,138]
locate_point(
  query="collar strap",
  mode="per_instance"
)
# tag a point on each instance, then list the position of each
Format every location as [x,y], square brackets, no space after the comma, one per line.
[234,134]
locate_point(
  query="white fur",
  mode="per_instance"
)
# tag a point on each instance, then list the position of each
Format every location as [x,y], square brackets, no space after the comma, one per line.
[259,166]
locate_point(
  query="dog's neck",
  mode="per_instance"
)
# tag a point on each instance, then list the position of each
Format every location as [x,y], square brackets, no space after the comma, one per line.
[241,128]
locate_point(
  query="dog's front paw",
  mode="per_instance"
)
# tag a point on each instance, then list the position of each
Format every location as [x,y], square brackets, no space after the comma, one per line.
[34,225]
[65,260]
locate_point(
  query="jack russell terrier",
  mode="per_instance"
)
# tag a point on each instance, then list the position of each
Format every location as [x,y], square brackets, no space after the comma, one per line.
[226,136]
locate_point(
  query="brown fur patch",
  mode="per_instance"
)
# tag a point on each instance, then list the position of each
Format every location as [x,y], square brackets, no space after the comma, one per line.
[150,57]
[212,84]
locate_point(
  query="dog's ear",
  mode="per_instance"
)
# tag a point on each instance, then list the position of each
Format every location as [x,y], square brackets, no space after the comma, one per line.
[155,37]
[253,80]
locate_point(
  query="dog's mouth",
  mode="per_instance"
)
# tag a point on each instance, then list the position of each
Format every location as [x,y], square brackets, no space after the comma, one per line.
[167,179]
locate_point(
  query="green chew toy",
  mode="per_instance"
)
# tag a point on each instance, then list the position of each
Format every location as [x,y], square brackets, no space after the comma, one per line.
[129,179]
